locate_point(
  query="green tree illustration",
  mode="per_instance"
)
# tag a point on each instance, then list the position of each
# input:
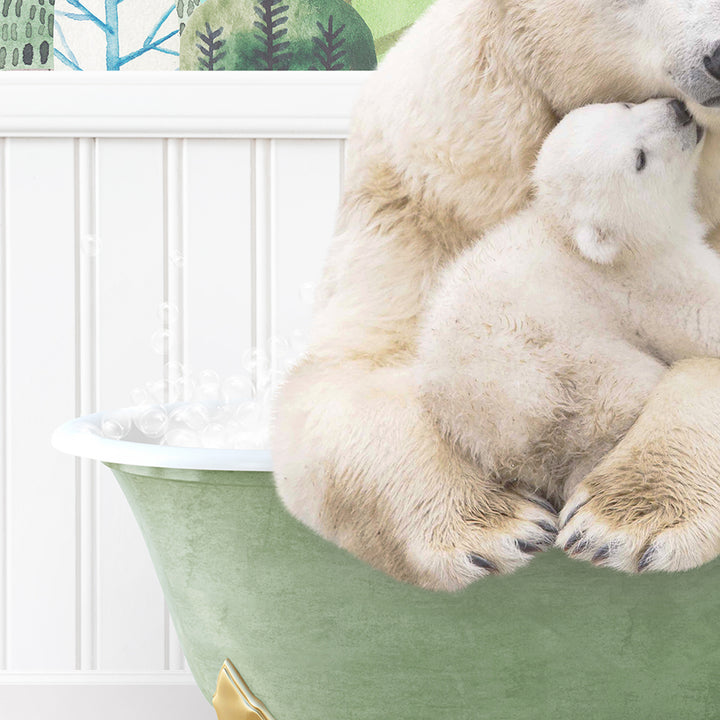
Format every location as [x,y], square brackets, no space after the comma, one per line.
[328,46]
[282,35]
[272,54]
[211,43]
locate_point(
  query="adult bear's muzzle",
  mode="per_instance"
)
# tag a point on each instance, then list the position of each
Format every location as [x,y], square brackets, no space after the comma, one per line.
[712,63]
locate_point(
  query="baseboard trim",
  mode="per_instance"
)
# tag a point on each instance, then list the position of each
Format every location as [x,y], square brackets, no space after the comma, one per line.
[106,696]
[97,678]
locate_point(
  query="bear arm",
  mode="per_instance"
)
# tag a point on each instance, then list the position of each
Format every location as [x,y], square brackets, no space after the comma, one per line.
[683,316]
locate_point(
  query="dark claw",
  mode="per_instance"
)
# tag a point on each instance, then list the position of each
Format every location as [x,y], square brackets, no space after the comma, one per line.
[483,563]
[547,527]
[647,557]
[528,547]
[573,512]
[572,540]
[581,547]
[602,554]
[543,503]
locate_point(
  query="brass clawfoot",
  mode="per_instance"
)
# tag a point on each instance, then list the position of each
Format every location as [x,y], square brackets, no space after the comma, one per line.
[233,699]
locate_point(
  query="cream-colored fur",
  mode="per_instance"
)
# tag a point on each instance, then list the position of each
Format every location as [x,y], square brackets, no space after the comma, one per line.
[441,150]
[543,342]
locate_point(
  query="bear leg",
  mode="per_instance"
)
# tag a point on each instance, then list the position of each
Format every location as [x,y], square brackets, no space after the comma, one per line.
[654,502]
[358,459]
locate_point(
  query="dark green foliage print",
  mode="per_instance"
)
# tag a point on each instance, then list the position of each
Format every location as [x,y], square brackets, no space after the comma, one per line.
[210,48]
[328,47]
[280,35]
[273,52]
[26,33]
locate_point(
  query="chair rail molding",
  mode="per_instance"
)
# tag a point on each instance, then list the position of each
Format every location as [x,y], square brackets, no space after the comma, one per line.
[182,104]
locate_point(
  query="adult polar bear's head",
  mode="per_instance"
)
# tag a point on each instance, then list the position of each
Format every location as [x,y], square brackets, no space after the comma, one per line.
[574,48]
[621,177]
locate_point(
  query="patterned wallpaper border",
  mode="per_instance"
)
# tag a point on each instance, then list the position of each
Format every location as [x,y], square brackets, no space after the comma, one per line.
[203,35]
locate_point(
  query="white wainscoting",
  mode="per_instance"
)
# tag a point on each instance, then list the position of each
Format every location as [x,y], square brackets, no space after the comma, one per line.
[214,193]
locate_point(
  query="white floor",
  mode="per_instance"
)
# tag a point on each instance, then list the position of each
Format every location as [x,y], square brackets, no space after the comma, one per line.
[103,702]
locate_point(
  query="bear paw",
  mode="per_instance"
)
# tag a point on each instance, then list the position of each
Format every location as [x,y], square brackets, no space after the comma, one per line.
[637,530]
[498,537]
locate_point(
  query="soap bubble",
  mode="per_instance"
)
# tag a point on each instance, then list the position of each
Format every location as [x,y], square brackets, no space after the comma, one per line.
[159,341]
[208,377]
[195,416]
[116,425]
[279,351]
[207,393]
[242,440]
[222,414]
[159,391]
[182,388]
[175,369]
[152,421]
[237,389]
[213,435]
[265,397]
[177,259]
[180,437]
[90,245]
[210,411]
[254,360]
[167,313]
[270,382]
[248,414]
[89,428]
[140,396]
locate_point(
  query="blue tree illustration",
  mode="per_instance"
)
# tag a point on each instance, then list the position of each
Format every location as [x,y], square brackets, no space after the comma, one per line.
[110,26]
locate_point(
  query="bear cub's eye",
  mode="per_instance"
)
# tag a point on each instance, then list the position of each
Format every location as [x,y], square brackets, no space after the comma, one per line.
[641,161]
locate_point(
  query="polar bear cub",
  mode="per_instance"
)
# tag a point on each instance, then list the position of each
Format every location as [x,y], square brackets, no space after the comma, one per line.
[543,342]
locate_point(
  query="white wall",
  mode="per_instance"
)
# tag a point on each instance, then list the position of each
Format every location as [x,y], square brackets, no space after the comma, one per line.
[118,194]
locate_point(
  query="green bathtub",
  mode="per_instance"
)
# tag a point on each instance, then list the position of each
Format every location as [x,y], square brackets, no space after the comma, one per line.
[318,635]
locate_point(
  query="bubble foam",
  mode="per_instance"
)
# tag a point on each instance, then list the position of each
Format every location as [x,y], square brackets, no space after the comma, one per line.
[205,410]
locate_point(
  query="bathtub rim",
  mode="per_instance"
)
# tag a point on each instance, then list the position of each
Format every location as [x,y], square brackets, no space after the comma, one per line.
[75,438]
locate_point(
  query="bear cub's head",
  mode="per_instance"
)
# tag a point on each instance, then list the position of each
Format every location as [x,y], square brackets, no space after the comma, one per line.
[619,179]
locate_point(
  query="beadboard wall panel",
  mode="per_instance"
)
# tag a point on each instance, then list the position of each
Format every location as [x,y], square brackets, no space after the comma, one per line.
[304,190]
[123,252]
[40,391]
[128,252]
[213,270]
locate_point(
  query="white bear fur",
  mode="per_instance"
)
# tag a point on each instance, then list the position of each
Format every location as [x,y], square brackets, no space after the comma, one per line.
[543,342]
[441,149]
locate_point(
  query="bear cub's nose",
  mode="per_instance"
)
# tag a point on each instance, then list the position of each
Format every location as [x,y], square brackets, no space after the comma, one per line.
[681,112]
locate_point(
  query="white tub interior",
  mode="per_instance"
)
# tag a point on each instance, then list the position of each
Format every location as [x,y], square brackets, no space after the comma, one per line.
[82,437]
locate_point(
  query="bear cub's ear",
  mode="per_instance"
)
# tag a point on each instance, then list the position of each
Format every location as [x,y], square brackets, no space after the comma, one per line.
[596,245]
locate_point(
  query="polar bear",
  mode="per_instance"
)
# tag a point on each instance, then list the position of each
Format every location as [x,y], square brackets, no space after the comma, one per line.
[543,342]
[441,149]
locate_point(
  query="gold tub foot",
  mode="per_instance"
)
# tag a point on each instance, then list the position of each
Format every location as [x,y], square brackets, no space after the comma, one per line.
[233,699]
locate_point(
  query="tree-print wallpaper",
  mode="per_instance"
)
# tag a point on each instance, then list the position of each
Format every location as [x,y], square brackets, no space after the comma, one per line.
[276,35]
[304,24]
[204,35]
[116,35]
